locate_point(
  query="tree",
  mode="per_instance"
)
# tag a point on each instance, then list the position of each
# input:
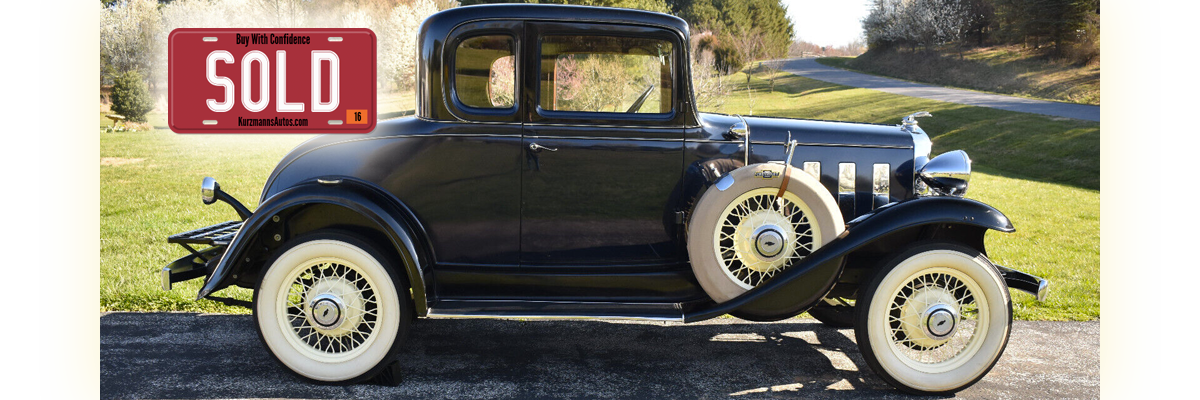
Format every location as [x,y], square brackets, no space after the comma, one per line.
[131,96]
[709,90]
[882,26]
[915,23]
[980,19]
[399,64]
[649,5]
[130,34]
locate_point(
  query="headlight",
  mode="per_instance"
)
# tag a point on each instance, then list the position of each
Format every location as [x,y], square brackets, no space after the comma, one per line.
[947,174]
[208,190]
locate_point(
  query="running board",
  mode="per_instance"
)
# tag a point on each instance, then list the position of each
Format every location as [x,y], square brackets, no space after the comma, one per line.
[556,310]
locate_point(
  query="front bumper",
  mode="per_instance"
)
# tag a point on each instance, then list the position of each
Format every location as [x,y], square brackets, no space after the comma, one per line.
[199,263]
[1024,282]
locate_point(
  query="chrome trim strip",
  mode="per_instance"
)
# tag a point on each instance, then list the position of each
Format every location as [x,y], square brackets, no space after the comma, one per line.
[1043,289]
[543,124]
[463,121]
[874,146]
[435,314]
[601,138]
[490,135]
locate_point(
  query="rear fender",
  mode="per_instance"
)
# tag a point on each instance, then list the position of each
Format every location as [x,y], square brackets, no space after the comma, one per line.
[800,287]
[390,217]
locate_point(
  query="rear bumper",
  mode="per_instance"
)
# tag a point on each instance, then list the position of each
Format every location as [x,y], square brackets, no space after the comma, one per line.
[191,266]
[198,263]
[1025,282]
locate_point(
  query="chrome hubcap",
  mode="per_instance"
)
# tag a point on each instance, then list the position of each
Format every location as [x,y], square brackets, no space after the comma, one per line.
[331,308]
[768,241]
[940,321]
[327,311]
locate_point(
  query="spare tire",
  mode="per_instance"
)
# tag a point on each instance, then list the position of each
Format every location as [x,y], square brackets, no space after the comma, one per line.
[740,234]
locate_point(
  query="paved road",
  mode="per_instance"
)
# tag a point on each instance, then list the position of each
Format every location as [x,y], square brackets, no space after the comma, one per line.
[809,68]
[174,355]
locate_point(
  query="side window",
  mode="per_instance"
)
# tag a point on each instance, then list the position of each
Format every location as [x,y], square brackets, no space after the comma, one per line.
[606,74]
[484,76]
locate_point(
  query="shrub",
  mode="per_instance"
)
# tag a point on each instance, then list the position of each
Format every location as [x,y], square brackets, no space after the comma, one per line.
[728,60]
[131,96]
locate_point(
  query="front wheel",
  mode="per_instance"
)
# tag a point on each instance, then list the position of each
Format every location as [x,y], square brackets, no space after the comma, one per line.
[328,308]
[935,320]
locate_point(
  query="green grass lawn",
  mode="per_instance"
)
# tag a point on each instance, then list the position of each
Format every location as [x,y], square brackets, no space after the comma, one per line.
[1042,172]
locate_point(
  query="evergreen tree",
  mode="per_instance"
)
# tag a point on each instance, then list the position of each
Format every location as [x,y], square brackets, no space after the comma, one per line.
[131,96]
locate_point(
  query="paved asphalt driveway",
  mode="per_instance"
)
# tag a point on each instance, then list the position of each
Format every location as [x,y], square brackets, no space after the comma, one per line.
[174,355]
[809,68]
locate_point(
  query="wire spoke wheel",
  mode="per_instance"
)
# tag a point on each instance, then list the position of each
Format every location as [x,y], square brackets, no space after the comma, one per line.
[329,310]
[331,307]
[935,319]
[743,233]
[761,234]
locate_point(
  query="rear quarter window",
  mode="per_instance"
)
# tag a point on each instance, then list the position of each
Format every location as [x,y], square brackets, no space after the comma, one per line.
[484,73]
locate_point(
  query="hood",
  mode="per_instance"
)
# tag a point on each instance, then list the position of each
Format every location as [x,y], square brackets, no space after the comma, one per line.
[809,132]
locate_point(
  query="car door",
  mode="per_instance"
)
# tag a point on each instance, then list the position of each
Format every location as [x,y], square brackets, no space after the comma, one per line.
[468,181]
[603,146]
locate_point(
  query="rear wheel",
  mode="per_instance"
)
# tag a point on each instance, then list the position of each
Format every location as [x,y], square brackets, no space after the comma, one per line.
[328,308]
[935,320]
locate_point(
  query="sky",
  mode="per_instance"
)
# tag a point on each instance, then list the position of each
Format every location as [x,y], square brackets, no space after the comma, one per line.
[827,22]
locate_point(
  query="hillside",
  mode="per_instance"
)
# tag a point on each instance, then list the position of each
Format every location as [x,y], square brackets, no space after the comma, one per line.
[1000,69]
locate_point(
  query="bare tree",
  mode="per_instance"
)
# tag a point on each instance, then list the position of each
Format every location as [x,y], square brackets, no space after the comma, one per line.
[398,61]
[130,32]
[708,88]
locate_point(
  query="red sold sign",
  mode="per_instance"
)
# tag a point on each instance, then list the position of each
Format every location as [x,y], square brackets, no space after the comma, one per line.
[271,80]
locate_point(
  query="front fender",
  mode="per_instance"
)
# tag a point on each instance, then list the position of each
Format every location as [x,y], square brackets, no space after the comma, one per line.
[391,217]
[804,284]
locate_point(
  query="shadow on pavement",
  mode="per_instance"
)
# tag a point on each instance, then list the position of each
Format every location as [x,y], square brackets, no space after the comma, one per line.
[204,356]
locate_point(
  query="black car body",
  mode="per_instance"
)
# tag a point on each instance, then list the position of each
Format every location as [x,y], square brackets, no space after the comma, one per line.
[535,211]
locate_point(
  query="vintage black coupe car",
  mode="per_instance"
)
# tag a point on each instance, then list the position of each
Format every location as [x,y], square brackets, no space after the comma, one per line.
[557,167]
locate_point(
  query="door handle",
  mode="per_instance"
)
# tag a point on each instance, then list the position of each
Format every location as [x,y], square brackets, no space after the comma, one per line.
[534,147]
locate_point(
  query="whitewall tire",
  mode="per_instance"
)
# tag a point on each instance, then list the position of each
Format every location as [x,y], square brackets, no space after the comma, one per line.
[329,309]
[935,319]
[740,234]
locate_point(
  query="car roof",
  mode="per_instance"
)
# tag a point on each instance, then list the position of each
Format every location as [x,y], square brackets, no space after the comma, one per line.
[558,12]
